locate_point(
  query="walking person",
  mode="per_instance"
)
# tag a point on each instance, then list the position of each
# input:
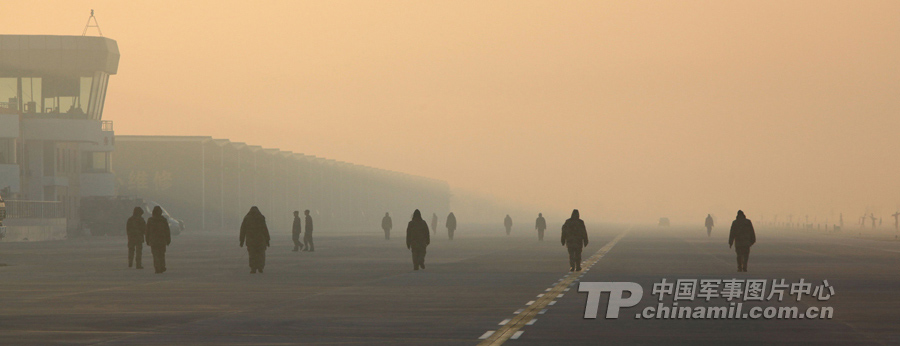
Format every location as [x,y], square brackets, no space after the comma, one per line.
[386,225]
[308,235]
[255,233]
[158,237]
[451,225]
[574,238]
[709,225]
[434,221]
[417,239]
[295,230]
[136,229]
[742,236]
[507,222]
[540,225]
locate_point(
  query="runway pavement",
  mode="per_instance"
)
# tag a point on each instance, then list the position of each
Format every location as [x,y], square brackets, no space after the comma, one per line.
[359,289]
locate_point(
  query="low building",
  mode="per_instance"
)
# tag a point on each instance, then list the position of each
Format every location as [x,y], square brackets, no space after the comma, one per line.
[211,183]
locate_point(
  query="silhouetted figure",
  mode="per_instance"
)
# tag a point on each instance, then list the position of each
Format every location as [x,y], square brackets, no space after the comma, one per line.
[255,233]
[136,229]
[709,225]
[158,237]
[307,236]
[507,222]
[872,216]
[296,229]
[451,225]
[742,236]
[896,220]
[434,221]
[417,239]
[574,238]
[540,225]
[386,225]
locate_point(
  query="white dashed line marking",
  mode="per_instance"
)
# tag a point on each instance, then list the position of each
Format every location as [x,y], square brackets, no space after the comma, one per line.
[510,328]
[504,322]
[486,335]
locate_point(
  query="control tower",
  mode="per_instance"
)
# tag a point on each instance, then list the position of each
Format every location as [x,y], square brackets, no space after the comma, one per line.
[54,144]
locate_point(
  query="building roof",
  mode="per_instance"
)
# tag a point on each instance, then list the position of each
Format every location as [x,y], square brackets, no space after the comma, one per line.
[63,55]
[140,138]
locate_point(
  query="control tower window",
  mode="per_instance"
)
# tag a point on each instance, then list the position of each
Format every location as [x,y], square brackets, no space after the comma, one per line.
[31,95]
[62,94]
[9,102]
[85,96]
[74,97]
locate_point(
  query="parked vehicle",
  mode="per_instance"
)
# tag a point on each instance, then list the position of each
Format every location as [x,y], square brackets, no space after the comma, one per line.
[175,225]
[107,215]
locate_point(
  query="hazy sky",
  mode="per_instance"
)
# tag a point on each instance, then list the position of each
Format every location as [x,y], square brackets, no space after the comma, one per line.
[628,110]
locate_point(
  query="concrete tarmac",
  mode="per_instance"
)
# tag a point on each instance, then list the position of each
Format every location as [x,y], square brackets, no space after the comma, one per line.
[359,289]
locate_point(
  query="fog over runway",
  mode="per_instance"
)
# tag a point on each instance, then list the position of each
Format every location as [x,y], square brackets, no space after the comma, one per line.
[359,289]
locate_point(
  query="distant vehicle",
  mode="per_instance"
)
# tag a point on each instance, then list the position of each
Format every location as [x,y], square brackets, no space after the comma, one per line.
[107,215]
[663,222]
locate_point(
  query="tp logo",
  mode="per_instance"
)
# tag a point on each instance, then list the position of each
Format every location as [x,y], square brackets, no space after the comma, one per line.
[616,297]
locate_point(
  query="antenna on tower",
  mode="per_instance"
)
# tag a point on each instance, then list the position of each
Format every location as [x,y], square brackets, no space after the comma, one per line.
[88,25]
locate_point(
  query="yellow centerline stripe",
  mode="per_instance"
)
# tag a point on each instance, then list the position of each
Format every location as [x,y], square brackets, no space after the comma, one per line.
[522,319]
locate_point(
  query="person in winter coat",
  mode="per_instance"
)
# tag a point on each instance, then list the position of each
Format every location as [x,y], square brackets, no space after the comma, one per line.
[451,225]
[574,238]
[417,239]
[158,237]
[742,236]
[136,229]
[255,233]
[386,225]
[295,230]
[507,222]
[540,225]
[308,244]
[434,221]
